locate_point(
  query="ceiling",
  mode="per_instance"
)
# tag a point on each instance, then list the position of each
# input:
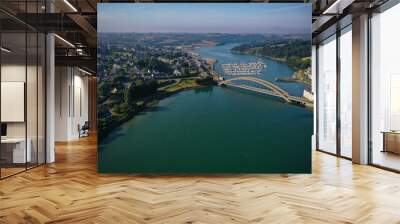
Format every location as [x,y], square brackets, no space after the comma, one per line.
[75,21]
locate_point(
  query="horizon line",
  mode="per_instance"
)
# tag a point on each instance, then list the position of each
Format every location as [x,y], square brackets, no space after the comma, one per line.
[194,33]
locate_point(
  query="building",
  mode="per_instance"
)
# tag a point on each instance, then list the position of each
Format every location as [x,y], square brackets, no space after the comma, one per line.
[308,95]
[53,178]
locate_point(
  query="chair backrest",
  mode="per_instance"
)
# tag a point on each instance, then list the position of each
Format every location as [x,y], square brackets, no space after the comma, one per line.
[86,125]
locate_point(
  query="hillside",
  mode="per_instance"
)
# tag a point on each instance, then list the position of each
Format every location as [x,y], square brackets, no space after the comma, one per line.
[295,52]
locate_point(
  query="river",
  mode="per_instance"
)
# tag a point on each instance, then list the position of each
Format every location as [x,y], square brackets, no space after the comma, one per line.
[274,68]
[215,130]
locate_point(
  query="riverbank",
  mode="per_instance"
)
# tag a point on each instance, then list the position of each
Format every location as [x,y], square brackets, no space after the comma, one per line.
[260,55]
[300,76]
[145,103]
[284,60]
[292,80]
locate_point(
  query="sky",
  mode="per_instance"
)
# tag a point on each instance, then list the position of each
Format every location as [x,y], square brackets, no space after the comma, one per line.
[205,17]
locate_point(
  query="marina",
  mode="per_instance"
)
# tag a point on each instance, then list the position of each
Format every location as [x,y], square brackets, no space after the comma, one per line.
[240,69]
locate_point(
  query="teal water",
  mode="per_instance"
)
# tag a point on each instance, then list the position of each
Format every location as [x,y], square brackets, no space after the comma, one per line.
[214,130]
[274,68]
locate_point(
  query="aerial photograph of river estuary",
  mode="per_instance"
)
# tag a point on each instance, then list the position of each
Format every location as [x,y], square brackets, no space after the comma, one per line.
[204,88]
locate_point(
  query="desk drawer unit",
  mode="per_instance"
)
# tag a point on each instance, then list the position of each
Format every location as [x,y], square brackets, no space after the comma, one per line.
[14,152]
[391,142]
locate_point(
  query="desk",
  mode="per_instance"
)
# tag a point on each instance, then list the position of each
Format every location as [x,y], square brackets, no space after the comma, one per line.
[391,141]
[19,154]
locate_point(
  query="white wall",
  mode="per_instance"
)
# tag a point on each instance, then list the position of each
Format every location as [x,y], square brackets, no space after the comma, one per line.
[71,102]
[33,126]
[12,73]
[80,110]
[17,73]
[62,81]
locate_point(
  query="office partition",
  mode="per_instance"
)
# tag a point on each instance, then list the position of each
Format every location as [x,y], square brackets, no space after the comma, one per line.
[22,77]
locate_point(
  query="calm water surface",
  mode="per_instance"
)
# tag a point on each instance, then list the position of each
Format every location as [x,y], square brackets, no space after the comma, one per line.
[215,130]
[274,68]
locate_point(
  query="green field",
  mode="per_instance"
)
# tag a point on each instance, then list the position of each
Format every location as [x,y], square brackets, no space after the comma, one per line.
[183,84]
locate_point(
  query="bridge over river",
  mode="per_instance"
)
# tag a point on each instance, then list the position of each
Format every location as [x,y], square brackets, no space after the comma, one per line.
[270,89]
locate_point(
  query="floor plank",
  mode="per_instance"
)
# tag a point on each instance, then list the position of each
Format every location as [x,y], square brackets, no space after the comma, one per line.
[71,191]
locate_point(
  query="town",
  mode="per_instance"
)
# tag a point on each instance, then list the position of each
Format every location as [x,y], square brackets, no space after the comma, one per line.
[132,75]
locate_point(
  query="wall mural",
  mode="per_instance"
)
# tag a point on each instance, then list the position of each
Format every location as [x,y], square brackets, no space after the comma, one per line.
[204,88]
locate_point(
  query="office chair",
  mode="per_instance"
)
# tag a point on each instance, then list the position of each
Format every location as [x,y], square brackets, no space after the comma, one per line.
[84,130]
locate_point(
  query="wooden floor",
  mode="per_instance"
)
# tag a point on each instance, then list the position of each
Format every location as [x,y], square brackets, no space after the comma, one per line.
[70,191]
[387,159]
[8,171]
